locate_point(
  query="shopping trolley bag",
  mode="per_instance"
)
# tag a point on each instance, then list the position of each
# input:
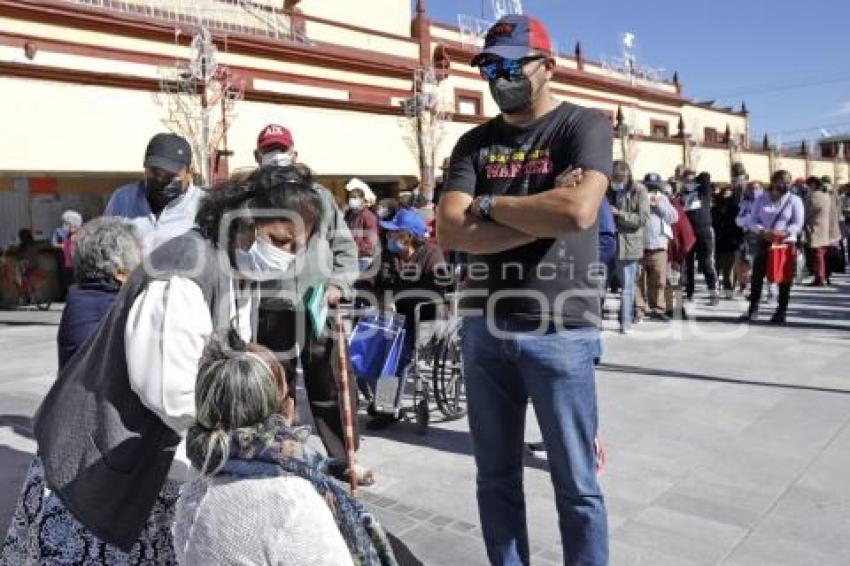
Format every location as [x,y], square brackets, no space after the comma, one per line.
[375,349]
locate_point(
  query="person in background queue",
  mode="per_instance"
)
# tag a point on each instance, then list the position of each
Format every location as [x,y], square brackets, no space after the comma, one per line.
[728,236]
[532,329]
[656,238]
[818,208]
[630,205]
[163,205]
[777,216]
[696,200]
[362,222]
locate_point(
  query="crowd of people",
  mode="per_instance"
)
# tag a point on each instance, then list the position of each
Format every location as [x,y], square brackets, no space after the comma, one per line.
[173,432]
[669,230]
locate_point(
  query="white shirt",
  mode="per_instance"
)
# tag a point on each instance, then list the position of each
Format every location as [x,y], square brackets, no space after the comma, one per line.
[175,219]
[165,335]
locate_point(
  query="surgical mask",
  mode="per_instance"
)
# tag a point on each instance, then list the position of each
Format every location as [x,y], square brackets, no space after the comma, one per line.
[690,187]
[395,246]
[512,97]
[355,203]
[277,158]
[382,212]
[263,261]
[618,186]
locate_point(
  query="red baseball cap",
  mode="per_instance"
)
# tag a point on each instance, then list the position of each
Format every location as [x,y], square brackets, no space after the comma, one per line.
[272,135]
[513,37]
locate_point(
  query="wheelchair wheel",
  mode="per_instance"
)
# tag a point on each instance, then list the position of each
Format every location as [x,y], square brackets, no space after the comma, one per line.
[448,379]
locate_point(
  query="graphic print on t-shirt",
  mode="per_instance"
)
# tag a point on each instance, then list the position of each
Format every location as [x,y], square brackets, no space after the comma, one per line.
[504,163]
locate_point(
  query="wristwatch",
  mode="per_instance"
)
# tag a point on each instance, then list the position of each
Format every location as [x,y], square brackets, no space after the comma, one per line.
[485,207]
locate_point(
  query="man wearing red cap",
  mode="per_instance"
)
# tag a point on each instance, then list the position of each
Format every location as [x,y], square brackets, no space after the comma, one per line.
[532,306]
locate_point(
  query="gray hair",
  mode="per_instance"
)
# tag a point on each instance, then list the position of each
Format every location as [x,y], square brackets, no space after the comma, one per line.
[235,389]
[73,218]
[108,245]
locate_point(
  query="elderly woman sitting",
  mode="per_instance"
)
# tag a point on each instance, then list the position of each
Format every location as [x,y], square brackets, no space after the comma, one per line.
[261,496]
[108,251]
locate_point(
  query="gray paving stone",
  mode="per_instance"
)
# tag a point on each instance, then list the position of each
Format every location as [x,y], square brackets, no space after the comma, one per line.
[707,509]
[705,466]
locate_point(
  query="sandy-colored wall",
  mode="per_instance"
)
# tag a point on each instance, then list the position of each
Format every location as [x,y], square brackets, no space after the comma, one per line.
[794,165]
[389,16]
[318,31]
[714,161]
[333,142]
[647,156]
[89,128]
[697,119]
[757,164]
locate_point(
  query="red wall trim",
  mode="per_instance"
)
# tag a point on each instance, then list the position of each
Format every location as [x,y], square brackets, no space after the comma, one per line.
[114,80]
[476,95]
[357,91]
[320,55]
[347,26]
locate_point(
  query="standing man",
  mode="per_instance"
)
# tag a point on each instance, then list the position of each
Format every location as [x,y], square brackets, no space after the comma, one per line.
[777,216]
[630,206]
[696,200]
[818,207]
[329,260]
[727,235]
[532,299]
[164,204]
[656,238]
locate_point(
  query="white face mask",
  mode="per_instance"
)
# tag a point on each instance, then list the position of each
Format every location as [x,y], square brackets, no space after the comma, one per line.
[382,212]
[618,186]
[263,261]
[355,203]
[277,158]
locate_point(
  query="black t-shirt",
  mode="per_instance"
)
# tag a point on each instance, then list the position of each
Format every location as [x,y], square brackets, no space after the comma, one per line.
[555,279]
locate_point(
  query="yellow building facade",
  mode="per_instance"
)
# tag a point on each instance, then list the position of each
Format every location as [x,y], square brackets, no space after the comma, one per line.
[77,116]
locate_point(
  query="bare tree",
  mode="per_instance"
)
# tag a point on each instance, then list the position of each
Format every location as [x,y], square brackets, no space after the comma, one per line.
[424,122]
[199,97]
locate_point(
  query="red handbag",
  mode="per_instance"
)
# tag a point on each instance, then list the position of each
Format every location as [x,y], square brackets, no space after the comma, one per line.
[781,263]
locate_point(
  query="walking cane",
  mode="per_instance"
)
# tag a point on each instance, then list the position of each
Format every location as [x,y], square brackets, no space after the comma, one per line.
[345,395]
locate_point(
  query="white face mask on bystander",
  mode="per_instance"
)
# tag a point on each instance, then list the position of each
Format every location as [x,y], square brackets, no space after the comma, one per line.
[263,261]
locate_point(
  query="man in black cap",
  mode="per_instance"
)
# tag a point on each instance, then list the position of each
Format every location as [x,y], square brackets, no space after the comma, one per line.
[163,205]
[532,306]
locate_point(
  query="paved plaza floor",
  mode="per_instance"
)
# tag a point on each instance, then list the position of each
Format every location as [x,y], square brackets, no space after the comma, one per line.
[726,444]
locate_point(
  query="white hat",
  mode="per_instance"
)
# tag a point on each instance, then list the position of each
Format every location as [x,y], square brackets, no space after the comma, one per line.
[368,194]
[73,218]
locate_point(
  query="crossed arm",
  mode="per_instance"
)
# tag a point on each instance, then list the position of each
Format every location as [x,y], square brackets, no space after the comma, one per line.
[571,206]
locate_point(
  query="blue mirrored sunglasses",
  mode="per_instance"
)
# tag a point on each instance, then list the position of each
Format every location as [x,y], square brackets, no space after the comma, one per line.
[511,69]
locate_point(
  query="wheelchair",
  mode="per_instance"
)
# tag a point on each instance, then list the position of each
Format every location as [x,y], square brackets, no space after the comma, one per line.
[431,377]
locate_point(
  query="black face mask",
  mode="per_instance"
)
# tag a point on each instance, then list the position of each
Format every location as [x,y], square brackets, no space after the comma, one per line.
[162,192]
[512,97]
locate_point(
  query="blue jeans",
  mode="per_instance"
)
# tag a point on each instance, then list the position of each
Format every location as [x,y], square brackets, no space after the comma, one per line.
[556,371]
[627,276]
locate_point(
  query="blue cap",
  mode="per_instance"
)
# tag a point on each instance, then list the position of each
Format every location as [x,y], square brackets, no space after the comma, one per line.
[513,37]
[407,220]
[653,180]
